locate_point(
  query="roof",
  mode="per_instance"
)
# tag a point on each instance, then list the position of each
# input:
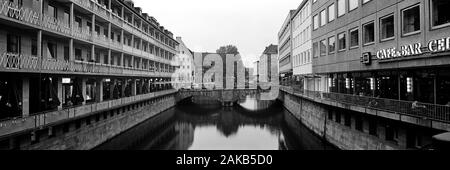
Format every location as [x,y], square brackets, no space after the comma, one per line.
[271,49]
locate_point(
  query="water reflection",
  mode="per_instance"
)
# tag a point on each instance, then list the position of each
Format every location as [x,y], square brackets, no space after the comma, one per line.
[192,126]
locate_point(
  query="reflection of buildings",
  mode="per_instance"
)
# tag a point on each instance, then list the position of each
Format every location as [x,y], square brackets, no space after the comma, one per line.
[296,136]
[185,136]
[250,103]
[175,128]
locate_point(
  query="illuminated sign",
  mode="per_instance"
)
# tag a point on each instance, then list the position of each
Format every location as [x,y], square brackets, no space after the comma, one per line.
[366,58]
[439,45]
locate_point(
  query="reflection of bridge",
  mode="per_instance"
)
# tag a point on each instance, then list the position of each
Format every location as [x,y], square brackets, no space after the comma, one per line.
[226,97]
[228,120]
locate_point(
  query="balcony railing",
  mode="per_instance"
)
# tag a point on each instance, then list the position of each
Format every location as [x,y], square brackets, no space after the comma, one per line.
[101,10]
[417,109]
[102,39]
[116,19]
[88,4]
[12,61]
[80,33]
[29,16]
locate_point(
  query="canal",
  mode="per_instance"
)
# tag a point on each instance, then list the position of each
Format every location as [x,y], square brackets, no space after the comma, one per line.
[206,125]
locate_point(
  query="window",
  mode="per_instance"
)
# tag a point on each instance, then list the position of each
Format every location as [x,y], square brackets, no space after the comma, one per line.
[78,21]
[369,33]
[66,53]
[440,15]
[387,27]
[352,4]
[34,47]
[51,47]
[331,13]
[331,44]
[89,26]
[66,18]
[316,49]
[13,44]
[342,41]
[323,18]
[341,7]
[354,38]
[97,30]
[411,20]
[105,32]
[323,47]
[78,54]
[52,11]
[316,22]
[365,1]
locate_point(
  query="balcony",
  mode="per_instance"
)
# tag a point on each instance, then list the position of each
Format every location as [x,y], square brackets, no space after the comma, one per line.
[422,110]
[101,39]
[115,44]
[101,10]
[128,49]
[39,120]
[30,17]
[137,52]
[24,63]
[116,19]
[83,34]
[88,4]
[128,27]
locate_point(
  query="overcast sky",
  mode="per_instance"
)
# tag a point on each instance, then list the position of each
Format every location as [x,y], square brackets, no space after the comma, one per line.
[205,25]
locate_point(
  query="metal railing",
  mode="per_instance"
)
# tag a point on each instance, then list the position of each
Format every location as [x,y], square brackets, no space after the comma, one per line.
[14,61]
[37,120]
[417,109]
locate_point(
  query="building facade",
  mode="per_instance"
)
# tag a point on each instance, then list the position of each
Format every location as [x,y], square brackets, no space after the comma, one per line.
[302,46]
[264,68]
[59,54]
[185,72]
[389,49]
[285,48]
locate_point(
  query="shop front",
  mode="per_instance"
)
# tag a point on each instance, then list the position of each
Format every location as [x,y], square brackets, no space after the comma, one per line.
[425,85]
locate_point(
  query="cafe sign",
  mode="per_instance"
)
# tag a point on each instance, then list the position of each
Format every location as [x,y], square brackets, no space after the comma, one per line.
[439,45]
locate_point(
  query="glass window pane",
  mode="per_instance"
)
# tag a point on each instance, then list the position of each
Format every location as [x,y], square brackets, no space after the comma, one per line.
[352,4]
[341,7]
[369,33]
[331,13]
[331,44]
[411,20]
[342,43]
[387,27]
[354,38]
[440,12]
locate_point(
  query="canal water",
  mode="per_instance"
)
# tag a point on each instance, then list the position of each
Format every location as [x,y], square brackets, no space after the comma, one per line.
[250,125]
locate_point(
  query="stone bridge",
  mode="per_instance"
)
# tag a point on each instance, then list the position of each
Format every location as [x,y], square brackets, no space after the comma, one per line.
[226,96]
